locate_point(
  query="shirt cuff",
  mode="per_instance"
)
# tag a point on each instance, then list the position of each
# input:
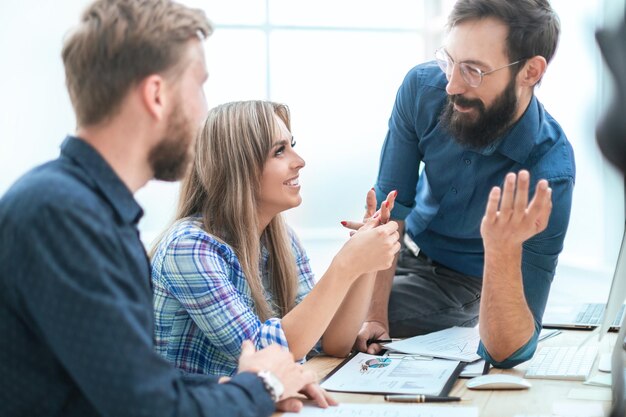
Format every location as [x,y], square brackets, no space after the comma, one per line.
[399,212]
[255,389]
[272,333]
[519,356]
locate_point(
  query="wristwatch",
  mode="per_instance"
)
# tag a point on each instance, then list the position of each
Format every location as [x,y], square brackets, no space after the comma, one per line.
[272,384]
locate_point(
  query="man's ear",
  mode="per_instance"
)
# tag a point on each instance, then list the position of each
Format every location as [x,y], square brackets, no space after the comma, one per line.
[153,95]
[533,70]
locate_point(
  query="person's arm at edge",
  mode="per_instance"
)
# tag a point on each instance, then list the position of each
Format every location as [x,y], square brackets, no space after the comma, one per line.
[398,170]
[376,325]
[339,337]
[349,317]
[539,260]
[360,254]
[139,378]
[507,324]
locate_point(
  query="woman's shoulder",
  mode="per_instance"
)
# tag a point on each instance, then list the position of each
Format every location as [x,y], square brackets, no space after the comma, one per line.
[187,234]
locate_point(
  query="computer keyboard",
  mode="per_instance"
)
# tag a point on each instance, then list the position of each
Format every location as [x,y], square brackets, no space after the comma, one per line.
[563,362]
[592,314]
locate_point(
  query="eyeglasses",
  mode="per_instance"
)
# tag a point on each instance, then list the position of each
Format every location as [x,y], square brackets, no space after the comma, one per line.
[471,75]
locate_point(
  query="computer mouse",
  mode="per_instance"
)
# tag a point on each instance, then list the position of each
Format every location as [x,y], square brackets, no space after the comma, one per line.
[604,364]
[498,381]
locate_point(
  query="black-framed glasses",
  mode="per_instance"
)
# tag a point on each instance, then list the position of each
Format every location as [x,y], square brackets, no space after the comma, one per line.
[472,75]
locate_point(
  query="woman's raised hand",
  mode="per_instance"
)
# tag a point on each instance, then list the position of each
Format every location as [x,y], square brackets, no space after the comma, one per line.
[374,242]
[382,215]
[371,248]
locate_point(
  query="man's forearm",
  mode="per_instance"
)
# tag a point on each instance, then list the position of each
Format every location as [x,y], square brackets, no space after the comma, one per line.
[379,304]
[340,334]
[380,297]
[506,322]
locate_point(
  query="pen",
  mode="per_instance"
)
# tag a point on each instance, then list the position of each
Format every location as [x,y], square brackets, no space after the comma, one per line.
[369,342]
[420,399]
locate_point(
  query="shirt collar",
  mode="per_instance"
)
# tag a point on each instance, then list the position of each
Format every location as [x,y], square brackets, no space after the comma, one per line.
[520,139]
[103,176]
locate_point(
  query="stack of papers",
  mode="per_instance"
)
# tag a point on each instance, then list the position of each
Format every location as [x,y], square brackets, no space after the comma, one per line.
[473,369]
[455,343]
[385,410]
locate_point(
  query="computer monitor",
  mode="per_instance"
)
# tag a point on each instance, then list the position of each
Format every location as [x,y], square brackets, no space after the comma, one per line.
[618,386]
[616,298]
[617,295]
[618,358]
[611,137]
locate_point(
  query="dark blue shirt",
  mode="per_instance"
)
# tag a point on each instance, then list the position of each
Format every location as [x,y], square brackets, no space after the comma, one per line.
[76,317]
[443,187]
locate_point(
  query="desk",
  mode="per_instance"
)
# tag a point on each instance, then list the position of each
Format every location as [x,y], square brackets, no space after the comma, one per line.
[536,401]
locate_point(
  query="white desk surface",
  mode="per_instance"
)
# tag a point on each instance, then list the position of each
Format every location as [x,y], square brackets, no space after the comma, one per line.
[544,398]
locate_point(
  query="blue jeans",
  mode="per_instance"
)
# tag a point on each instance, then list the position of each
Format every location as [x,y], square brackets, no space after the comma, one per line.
[427,297]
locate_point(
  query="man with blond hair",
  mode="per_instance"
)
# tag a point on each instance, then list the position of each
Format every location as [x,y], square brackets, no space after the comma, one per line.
[75,298]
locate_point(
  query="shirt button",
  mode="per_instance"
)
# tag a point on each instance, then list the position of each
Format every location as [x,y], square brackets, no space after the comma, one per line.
[454,190]
[468,162]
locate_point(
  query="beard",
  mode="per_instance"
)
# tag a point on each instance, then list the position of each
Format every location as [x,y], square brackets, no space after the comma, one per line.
[170,158]
[485,128]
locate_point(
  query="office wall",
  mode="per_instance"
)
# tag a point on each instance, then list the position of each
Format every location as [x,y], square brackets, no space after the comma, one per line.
[338,65]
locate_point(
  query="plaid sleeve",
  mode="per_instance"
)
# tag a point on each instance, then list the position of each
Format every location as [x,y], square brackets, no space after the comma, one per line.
[205,276]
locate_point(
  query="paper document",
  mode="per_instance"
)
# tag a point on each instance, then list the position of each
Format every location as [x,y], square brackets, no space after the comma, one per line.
[547,333]
[600,380]
[385,410]
[373,374]
[477,368]
[456,343]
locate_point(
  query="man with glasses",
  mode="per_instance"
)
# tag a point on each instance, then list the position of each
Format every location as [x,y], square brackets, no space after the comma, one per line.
[484,178]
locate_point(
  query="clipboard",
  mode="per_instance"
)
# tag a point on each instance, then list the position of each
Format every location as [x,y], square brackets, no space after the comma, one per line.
[473,369]
[405,374]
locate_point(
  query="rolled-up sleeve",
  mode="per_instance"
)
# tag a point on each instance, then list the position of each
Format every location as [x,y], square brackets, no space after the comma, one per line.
[539,261]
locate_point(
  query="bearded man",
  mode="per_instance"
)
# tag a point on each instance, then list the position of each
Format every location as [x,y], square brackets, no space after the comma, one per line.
[468,146]
[76,311]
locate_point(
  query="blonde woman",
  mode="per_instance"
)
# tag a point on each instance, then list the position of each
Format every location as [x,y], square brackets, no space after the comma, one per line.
[230,269]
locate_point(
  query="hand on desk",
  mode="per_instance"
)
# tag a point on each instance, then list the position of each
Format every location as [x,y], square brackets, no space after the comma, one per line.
[312,392]
[371,330]
[293,376]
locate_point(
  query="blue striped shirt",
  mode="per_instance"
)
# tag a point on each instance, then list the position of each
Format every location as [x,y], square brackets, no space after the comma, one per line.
[202,302]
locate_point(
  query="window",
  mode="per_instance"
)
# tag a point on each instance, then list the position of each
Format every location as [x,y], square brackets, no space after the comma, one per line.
[338,66]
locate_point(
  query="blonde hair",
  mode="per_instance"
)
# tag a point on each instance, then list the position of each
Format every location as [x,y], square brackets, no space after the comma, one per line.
[120,42]
[222,187]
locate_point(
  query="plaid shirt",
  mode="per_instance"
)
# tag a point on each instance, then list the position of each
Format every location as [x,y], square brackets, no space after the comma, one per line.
[202,301]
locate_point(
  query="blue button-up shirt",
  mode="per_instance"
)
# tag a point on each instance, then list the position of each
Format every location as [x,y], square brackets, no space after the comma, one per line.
[443,187]
[76,318]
